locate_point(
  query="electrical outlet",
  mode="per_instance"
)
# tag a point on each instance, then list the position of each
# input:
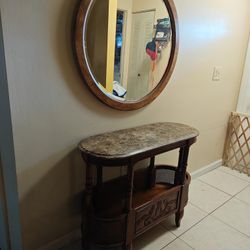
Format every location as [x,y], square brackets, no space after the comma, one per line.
[217,74]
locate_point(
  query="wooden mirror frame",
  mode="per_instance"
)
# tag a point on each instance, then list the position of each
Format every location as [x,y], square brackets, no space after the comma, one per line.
[79,44]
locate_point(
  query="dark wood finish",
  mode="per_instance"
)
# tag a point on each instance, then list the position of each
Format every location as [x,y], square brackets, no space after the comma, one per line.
[82,62]
[119,210]
[88,205]
[151,173]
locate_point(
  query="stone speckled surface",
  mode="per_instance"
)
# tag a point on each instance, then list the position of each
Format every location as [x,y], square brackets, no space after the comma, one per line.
[135,140]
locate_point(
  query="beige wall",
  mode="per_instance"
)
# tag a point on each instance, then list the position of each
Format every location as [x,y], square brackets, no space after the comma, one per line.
[52,109]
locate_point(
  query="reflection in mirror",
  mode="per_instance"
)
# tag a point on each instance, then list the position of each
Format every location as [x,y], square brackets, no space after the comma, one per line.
[128,46]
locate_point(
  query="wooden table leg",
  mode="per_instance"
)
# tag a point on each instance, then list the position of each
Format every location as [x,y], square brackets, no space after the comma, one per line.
[87,207]
[99,170]
[151,172]
[180,176]
[130,187]
[129,247]
[178,216]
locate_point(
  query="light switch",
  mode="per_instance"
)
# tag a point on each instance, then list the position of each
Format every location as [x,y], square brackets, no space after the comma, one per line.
[217,74]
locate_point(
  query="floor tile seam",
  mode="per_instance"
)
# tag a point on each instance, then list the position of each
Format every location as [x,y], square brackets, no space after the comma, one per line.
[240,191]
[218,188]
[210,213]
[168,231]
[245,236]
[206,213]
[175,240]
[193,225]
[233,175]
[198,208]
[168,244]
[246,187]
[186,243]
[248,236]
[246,203]
[231,198]
[165,228]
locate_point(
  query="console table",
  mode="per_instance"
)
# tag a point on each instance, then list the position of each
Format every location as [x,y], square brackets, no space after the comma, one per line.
[116,212]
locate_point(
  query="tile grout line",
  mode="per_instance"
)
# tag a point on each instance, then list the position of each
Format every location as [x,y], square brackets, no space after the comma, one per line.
[218,188]
[233,174]
[186,243]
[210,214]
[207,214]
[168,244]
[233,197]
[230,226]
[246,203]
[175,240]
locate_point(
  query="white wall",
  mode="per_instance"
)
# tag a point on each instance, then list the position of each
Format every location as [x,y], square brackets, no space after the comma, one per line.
[52,109]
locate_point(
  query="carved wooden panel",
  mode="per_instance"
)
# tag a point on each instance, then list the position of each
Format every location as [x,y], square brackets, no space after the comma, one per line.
[154,211]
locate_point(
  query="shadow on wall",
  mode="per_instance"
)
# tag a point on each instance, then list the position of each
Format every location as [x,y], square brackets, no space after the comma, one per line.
[64,53]
[51,207]
[51,191]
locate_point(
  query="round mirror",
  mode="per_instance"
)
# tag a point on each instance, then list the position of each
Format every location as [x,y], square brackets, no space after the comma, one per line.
[126,49]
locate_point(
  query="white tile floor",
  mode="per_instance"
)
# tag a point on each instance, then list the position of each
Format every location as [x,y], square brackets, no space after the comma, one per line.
[217,216]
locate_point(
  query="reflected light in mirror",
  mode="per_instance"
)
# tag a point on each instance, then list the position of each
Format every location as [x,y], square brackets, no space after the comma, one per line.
[128,46]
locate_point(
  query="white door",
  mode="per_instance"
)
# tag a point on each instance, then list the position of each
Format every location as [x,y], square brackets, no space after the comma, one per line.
[139,62]
[244,98]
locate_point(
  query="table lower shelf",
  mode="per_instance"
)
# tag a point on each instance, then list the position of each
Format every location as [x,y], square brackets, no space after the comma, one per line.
[151,206]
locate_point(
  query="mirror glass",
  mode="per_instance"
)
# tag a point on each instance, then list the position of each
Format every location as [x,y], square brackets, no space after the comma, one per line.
[127,46]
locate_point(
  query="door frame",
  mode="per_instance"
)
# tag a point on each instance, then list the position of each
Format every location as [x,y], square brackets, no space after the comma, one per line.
[245,84]
[124,34]
[12,228]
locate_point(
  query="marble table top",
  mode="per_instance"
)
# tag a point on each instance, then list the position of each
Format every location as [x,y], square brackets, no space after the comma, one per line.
[132,141]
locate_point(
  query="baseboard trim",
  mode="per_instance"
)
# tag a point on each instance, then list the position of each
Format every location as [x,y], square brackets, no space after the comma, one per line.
[75,236]
[63,241]
[206,169]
